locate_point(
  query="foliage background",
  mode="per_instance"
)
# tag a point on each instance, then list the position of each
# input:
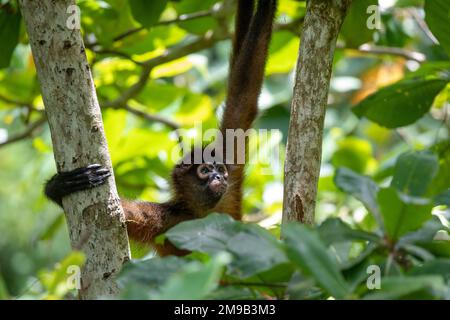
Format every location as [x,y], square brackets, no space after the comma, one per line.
[412,45]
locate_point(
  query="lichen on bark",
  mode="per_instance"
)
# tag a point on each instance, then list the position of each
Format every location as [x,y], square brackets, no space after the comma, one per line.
[321,27]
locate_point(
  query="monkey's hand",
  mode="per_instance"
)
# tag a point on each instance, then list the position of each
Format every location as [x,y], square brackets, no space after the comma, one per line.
[65,183]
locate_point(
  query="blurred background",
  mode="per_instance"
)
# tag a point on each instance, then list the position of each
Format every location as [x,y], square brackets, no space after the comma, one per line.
[188,86]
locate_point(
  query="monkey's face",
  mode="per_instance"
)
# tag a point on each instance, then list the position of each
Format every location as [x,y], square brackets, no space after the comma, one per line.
[214,178]
[203,185]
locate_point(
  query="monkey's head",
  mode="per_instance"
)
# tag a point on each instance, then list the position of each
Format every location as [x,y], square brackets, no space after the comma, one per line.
[200,185]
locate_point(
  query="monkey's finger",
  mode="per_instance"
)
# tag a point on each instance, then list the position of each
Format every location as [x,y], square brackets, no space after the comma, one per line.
[101,171]
[86,182]
[87,178]
[88,168]
[86,175]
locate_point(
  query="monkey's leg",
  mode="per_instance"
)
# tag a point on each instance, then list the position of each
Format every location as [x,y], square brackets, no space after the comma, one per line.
[65,183]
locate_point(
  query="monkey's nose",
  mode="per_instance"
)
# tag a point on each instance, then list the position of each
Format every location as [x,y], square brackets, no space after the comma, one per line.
[217,176]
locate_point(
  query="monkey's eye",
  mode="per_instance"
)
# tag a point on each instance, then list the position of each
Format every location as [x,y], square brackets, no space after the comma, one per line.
[204,170]
[221,169]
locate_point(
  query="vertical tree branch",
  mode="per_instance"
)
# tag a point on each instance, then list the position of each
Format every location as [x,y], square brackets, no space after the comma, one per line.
[95,217]
[322,23]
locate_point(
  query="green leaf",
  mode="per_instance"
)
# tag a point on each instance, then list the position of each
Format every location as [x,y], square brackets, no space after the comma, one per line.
[142,279]
[219,232]
[441,181]
[9,35]
[353,153]
[4,294]
[423,235]
[171,278]
[400,104]
[195,281]
[402,213]
[439,248]
[400,287]
[146,12]
[209,235]
[443,198]
[199,25]
[306,250]
[282,53]
[361,187]
[414,172]
[433,267]
[334,230]
[437,16]
[56,281]
[356,19]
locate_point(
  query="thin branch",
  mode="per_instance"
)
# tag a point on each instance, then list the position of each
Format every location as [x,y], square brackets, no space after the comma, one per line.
[117,53]
[422,25]
[294,26]
[393,51]
[170,54]
[125,34]
[13,101]
[181,18]
[187,17]
[151,117]
[28,132]
[131,91]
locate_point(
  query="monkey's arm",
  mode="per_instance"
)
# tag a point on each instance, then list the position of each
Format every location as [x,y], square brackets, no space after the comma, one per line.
[145,220]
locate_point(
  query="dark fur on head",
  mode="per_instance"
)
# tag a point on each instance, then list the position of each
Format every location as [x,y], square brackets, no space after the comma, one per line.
[200,184]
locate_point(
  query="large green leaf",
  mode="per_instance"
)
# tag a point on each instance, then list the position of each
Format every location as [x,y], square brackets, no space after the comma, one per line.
[361,187]
[423,235]
[306,250]
[356,19]
[171,278]
[414,172]
[402,103]
[147,12]
[9,35]
[353,153]
[209,235]
[401,213]
[437,16]
[441,182]
[334,230]
[219,232]
[433,267]
[148,275]
[442,198]
[195,281]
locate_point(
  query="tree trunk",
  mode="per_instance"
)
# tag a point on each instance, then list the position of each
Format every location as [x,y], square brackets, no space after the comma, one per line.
[94,217]
[322,23]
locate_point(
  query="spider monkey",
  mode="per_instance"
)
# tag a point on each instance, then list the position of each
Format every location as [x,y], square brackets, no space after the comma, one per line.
[198,189]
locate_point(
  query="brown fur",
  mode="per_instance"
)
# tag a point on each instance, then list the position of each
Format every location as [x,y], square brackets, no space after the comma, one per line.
[147,220]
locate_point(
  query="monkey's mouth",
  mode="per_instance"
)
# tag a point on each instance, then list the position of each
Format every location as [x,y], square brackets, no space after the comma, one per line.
[218,187]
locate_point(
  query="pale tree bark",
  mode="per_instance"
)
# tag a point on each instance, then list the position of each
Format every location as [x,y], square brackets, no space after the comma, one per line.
[321,26]
[95,217]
